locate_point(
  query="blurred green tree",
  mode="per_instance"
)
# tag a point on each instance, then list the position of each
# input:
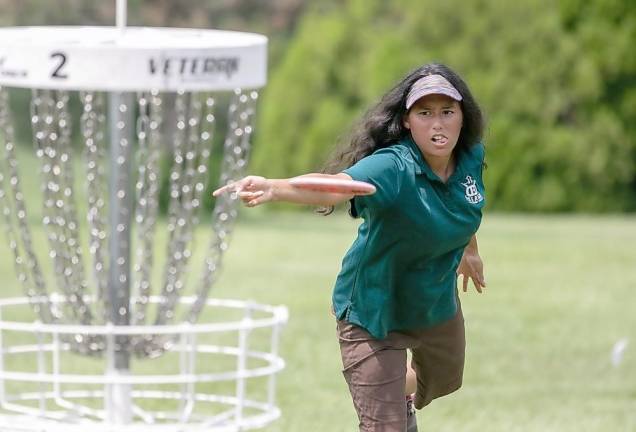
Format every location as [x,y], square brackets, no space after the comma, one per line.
[556,83]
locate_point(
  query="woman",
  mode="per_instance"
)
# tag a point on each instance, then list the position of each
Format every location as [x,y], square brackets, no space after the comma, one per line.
[420,146]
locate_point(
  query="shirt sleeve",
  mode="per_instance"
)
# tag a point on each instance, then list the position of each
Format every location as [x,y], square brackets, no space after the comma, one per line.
[381,169]
[478,154]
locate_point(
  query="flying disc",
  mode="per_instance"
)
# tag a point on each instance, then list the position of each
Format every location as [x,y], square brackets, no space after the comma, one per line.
[333,185]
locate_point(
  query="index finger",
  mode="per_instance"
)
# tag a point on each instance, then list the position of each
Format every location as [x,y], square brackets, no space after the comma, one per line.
[220,190]
[230,187]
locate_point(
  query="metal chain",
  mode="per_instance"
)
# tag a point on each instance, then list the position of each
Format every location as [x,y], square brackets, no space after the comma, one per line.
[191,152]
[186,214]
[59,225]
[147,191]
[79,287]
[201,139]
[143,254]
[25,261]
[204,149]
[186,189]
[235,158]
[188,176]
[171,284]
[93,120]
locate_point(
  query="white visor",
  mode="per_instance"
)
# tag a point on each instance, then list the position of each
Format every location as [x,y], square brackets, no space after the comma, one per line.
[431,84]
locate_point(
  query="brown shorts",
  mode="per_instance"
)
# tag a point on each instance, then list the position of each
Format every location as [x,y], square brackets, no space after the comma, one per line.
[375,369]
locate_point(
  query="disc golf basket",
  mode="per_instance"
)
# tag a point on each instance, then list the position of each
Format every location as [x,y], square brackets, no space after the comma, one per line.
[116,331]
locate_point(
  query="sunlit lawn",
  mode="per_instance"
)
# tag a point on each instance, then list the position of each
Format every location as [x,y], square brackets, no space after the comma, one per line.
[561,292]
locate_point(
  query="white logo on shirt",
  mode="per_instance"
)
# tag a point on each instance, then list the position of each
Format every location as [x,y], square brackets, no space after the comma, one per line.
[472,193]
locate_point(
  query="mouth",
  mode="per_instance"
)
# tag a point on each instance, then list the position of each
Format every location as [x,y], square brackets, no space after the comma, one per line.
[439,139]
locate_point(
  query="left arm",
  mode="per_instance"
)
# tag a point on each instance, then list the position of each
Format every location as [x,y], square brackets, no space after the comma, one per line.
[471,266]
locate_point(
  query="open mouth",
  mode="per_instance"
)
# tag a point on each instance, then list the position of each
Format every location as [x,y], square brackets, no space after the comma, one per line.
[439,139]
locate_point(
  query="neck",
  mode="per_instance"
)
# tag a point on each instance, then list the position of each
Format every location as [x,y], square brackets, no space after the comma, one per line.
[443,166]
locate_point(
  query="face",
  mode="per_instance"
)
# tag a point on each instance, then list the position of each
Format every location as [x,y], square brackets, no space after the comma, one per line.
[435,122]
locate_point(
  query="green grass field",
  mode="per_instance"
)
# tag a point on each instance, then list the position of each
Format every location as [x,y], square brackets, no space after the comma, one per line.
[561,291]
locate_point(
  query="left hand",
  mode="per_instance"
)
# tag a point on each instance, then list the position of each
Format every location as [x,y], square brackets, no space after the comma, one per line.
[472,267]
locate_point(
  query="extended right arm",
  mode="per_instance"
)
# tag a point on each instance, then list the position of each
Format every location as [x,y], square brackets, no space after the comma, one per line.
[255,190]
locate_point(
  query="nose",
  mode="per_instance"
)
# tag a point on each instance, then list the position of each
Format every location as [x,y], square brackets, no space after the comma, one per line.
[437,123]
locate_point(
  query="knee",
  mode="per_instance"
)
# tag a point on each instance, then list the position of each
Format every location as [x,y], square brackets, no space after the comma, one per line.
[411,380]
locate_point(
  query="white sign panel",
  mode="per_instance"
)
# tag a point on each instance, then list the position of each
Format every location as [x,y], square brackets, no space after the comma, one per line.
[108,59]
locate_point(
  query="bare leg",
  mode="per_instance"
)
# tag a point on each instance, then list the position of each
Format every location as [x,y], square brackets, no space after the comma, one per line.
[411,379]
[410,387]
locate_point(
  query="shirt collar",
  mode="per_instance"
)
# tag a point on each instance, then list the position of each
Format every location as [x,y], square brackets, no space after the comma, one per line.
[422,167]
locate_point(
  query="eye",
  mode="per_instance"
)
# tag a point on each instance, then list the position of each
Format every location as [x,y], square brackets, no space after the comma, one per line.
[448,112]
[424,113]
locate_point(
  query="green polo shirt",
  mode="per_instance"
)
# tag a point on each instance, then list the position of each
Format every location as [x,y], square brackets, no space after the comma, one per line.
[399,274]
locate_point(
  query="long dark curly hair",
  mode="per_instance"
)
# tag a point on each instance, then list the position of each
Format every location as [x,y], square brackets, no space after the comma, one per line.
[382,125]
